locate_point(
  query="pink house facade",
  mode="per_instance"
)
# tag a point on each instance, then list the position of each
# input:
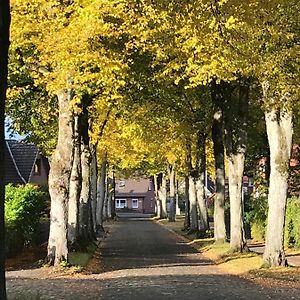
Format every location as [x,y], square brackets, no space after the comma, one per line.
[135,195]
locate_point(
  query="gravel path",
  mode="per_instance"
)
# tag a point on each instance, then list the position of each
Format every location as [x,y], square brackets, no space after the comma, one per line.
[143,260]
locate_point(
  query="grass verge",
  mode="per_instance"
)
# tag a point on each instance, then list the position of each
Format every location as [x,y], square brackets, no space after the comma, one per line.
[245,264]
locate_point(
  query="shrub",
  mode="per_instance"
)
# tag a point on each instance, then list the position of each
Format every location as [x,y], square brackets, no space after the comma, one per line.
[256,217]
[292,223]
[23,208]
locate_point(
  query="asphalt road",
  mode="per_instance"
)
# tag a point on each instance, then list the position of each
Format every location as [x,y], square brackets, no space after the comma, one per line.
[142,260]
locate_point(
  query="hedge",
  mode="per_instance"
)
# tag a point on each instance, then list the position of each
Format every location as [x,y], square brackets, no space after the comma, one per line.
[292,223]
[24,205]
[257,218]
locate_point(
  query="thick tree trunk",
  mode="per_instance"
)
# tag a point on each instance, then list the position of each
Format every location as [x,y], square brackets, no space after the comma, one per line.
[237,234]
[162,193]
[192,196]
[236,121]
[219,198]
[105,204]
[172,208]
[101,193]
[109,197]
[280,131]
[94,172]
[201,203]
[193,203]
[85,230]
[177,209]
[113,195]
[59,179]
[158,205]
[187,219]
[200,183]
[75,186]
[4,45]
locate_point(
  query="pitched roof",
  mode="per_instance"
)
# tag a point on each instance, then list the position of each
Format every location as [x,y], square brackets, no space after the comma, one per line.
[133,186]
[19,161]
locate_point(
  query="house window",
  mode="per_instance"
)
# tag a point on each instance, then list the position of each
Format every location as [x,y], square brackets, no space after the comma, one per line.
[121,184]
[37,166]
[121,203]
[135,203]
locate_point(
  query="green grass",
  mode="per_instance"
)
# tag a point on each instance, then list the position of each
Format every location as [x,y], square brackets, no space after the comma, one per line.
[81,258]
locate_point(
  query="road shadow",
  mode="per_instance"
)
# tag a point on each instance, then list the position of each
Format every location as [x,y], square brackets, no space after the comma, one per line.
[175,287]
[134,244]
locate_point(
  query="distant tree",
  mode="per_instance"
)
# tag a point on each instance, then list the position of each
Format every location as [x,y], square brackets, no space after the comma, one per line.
[4,45]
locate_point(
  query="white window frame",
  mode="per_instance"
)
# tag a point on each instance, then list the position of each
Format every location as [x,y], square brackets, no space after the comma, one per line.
[137,203]
[118,203]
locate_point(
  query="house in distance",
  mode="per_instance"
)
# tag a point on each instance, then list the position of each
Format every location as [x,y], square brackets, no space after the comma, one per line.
[135,195]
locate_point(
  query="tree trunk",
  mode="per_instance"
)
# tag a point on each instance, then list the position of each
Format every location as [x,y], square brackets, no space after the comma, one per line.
[163,196]
[237,234]
[85,230]
[109,197]
[158,204]
[113,195]
[193,203]
[75,186]
[59,179]
[4,45]
[192,196]
[187,219]
[172,208]
[101,193]
[105,204]
[280,131]
[200,183]
[201,203]
[236,124]
[94,173]
[177,209]
[219,198]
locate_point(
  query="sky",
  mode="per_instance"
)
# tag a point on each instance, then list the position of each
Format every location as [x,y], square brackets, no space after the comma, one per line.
[9,134]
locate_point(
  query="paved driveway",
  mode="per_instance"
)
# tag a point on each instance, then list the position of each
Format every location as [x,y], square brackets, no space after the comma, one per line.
[143,260]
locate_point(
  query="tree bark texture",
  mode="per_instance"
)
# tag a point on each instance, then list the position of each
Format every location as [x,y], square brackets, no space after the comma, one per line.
[162,193]
[109,197]
[200,183]
[59,179]
[177,209]
[101,193]
[235,172]
[75,186]
[193,203]
[236,118]
[218,144]
[85,214]
[280,131]
[187,219]
[94,173]
[86,232]
[219,198]
[157,198]
[4,45]
[113,195]
[105,203]
[172,208]
[192,196]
